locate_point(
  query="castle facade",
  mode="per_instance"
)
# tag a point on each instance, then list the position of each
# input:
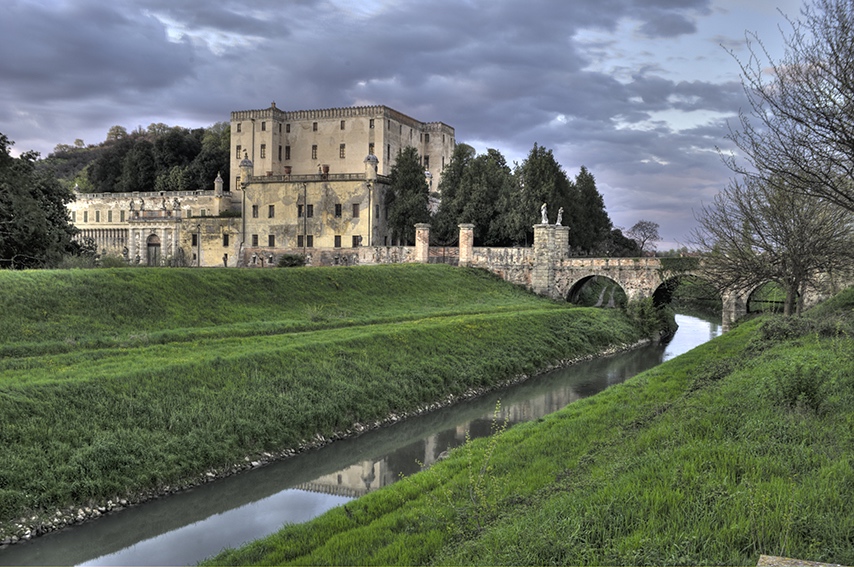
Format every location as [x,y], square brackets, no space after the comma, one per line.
[309,182]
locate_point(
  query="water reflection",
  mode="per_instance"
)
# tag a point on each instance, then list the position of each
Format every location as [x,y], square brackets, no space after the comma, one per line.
[187,527]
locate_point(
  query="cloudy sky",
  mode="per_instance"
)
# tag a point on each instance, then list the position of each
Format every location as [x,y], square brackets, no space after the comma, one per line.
[639,91]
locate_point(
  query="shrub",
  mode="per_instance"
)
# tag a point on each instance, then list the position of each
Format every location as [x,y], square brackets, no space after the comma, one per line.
[291,261]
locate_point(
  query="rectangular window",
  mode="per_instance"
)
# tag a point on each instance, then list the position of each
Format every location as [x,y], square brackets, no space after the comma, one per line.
[271,240]
[371,123]
[238,148]
[189,213]
[238,126]
[254,211]
[74,216]
[109,216]
[287,128]
[314,126]
[237,181]
[85,216]
[376,211]
[309,211]
[426,162]
[309,241]
[388,151]
[202,213]
[426,138]
[194,240]
[300,240]
[299,211]
[263,126]
[342,124]
[371,149]
[357,240]
[337,210]
[263,151]
[355,210]
[225,239]
[271,211]
[314,151]
[254,240]
[342,149]
[280,153]
[280,128]
[97,216]
[337,241]
[122,216]
[287,152]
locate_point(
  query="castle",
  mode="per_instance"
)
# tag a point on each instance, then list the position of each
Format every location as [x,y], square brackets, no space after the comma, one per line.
[310,182]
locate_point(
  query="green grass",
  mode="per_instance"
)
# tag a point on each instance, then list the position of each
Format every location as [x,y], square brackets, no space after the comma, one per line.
[743,446]
[233,363]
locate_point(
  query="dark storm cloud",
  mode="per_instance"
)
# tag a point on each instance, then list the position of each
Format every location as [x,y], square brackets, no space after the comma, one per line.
[504,73]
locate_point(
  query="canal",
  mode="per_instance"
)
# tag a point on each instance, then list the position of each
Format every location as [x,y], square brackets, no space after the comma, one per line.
[187,527]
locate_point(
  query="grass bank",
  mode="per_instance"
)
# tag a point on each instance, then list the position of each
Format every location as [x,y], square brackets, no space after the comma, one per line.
[126,383]
[741,447]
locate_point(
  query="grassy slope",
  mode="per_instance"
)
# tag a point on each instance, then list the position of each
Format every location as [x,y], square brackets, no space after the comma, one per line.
[742,447]
[119,381]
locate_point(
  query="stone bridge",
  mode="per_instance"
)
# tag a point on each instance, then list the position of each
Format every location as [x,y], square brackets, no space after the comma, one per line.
[547,269]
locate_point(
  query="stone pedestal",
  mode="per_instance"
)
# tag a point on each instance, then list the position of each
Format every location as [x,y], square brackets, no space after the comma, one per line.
[466,244]
[561,249]
[422,243]
[542,274]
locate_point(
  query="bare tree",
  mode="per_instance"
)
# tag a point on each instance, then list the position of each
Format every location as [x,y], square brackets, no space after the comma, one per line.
[645,233]
[758,231]
[800,124]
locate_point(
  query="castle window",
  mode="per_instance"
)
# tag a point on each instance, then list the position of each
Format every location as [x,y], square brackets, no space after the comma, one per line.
[254,240]
[121,216]
[287,152]
[271,240]
[239,147]
[314,151]
[225,240]
[426,162]
[300,211]
[426,138]
[109,216]
[189,213]
[280,128]
[254,211]
[388,151]
[342,151]
[314,126]
[371,123]
[280,153]
[342,124]
[309,241]
[287,128]
[337,241]
[271,211]
[97,216]
[202,213]
[355,210]
[309,211]
[371,148]
[194,239]
[263,151]
[337,210]
[357,240]
[263,126]
[85,216]
[300,240]
[238,126]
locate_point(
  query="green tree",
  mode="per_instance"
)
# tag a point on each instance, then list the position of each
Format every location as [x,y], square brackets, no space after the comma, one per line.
[139,171]
[408,196]
[34,224]
[590,225]
[445,222]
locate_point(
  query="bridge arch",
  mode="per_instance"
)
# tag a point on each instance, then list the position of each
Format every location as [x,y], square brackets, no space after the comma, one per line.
[699,290]
[597,291]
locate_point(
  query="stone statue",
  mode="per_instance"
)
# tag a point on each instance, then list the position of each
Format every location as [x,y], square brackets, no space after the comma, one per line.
[163,204]
[176,204]
[559,216]
[132,204]
[544,214]
[141,204]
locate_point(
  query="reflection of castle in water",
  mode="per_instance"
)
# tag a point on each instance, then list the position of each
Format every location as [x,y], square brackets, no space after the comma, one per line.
[370,474]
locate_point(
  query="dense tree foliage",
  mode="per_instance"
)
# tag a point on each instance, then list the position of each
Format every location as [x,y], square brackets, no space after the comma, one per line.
[158,158]
[34,225]
[408,196]
[590,224]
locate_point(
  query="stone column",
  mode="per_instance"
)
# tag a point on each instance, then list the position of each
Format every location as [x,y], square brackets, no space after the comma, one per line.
[466,244]
[422,243]
[561,249]
[734,308]
[542,274]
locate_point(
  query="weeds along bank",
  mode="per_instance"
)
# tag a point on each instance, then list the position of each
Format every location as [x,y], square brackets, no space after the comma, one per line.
[122,384]
[743,446]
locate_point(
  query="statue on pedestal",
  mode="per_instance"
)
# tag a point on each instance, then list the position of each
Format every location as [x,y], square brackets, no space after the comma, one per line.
[544,214]
[559,216]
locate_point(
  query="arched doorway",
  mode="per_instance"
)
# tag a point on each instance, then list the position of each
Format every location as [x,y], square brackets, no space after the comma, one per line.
[153,250]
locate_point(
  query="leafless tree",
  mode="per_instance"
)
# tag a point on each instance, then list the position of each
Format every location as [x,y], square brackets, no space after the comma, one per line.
[645,233]
[758,231]
[800,123]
